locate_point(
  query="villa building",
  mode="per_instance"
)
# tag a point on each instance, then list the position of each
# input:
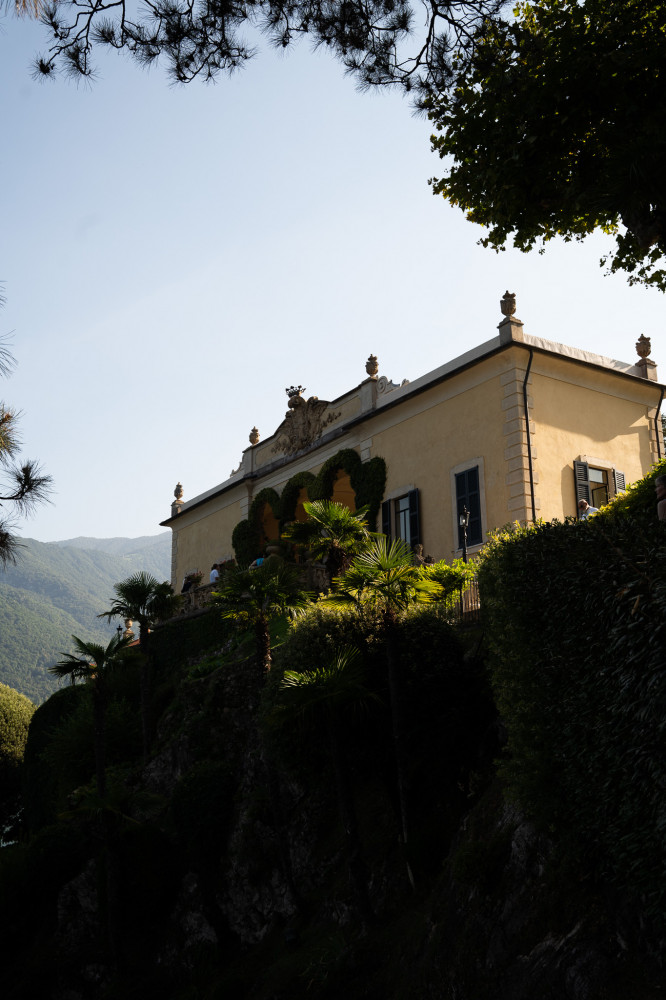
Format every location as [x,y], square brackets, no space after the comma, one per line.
[516,429]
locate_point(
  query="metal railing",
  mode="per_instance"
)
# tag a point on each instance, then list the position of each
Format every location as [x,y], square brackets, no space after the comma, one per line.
[468,607]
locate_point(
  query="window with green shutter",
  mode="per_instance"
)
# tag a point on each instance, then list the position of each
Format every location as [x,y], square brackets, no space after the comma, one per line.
[401,518]
[596,485]
[468,494]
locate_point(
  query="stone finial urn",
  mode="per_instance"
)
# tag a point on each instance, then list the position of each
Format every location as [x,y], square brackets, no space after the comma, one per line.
[254,436]
[643,346]
[371,366]
[128,633]
[177,503]
[508,304]
[645,366]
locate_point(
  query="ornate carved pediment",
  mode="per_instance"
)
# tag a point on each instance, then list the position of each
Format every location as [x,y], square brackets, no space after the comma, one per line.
[304,422]
[387,385]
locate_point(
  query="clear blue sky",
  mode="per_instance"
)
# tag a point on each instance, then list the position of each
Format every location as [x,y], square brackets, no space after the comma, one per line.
[174,257]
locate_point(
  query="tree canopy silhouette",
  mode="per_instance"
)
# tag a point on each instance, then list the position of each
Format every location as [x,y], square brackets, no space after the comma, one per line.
[381,42]
[23,485]
[554,126]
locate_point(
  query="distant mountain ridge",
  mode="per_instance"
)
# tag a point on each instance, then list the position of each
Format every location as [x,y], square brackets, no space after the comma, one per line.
[117,546]
[57,589]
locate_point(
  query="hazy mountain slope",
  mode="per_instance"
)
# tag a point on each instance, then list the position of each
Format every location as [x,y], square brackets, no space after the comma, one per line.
[56,590]
[33,634]
[120,546]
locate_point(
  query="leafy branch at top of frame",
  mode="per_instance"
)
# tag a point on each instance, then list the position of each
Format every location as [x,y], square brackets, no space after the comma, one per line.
[379,42]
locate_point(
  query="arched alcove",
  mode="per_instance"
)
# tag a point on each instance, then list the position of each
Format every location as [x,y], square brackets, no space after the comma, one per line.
[299,510]
[269,525]
[342,490]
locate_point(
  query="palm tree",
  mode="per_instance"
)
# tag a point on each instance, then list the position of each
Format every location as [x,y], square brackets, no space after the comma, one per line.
[318,698]
[145,600]
[254,596]
[384,578]
[333,533]
[91,665]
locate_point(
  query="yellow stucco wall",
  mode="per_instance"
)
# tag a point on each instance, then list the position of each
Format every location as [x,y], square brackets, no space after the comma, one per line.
[203,535]
[450,425]
[593,416]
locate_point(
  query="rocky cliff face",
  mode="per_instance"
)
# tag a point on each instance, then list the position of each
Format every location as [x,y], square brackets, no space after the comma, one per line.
[230,878]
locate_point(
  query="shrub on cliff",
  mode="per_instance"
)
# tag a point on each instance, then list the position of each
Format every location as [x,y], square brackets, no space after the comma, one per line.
[59,754]
[15,713]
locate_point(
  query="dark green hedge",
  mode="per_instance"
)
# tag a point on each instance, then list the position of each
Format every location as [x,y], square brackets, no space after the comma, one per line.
[576,620]
[60,756]
[40,784]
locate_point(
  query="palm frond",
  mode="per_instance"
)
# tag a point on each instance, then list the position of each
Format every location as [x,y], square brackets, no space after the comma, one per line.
[142,598]
[329,687]
[93,657]
[383,577]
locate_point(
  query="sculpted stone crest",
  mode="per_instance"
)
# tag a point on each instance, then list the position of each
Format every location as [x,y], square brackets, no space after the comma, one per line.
[304,422]
[385,384]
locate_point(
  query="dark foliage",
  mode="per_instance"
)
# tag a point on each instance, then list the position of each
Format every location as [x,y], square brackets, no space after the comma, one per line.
[577,627]
[60,753]
[202,807]
[554,128]
[31,876]
[40,783]
[175,643]
[448,710]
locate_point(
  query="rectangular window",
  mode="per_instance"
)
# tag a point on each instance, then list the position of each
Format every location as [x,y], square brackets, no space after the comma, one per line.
[597,485]
[401,518]
[468,495]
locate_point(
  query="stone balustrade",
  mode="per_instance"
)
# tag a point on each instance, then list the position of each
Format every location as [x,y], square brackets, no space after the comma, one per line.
[198,599]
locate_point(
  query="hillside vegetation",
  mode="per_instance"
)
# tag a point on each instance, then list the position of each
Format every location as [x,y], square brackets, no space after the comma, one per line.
[57,589]
[336,825]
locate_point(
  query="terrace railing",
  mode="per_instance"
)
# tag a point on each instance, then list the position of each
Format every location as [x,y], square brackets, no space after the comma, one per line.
[469,604]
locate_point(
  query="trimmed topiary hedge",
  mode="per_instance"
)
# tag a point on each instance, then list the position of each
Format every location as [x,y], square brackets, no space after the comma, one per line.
[368,480]
[576,624]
